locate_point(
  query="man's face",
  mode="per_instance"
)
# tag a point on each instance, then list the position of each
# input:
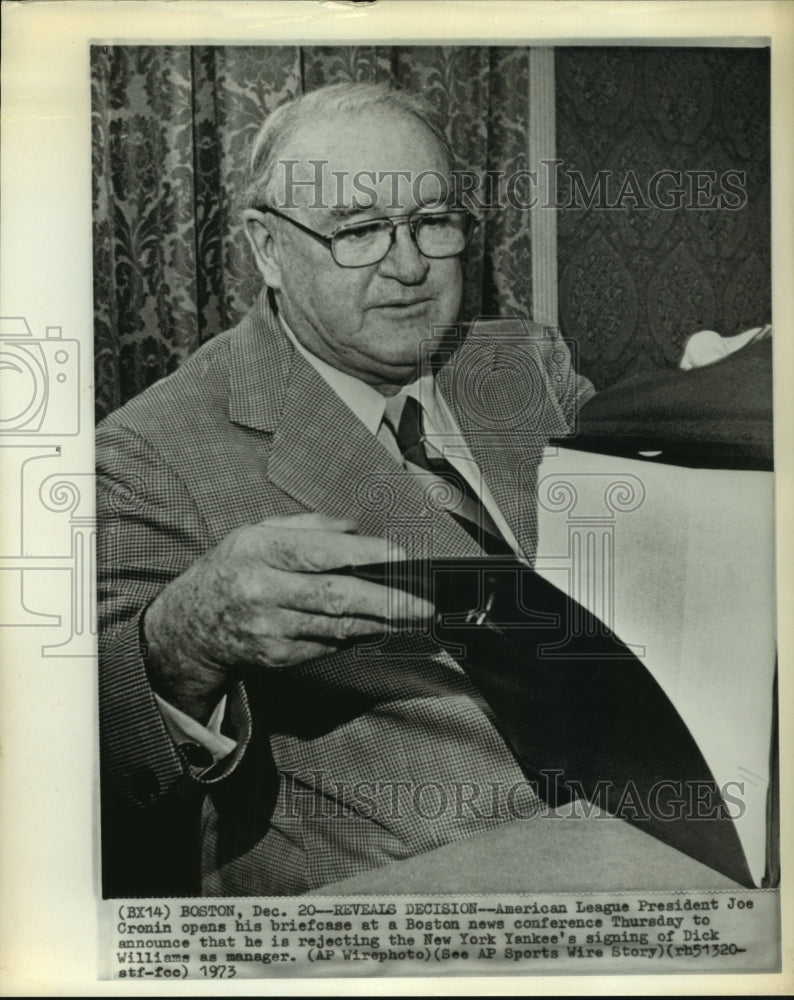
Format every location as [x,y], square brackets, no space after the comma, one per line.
[366,321]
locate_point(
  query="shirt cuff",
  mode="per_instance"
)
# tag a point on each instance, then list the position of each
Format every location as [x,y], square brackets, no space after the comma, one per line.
[183,728]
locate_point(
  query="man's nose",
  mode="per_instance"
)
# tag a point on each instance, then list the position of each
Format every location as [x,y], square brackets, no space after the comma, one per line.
[404,261]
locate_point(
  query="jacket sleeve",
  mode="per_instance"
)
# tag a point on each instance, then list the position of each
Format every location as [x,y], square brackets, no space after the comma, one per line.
[148,532]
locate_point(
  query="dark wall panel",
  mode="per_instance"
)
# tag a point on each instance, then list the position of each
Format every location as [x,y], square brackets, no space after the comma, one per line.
[637,279]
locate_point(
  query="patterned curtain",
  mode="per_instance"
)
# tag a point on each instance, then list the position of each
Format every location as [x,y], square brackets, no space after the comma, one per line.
[170,131]
[170,128]
[636,281]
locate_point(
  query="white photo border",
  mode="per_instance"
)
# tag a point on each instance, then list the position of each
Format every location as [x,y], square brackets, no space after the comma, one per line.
[48,845]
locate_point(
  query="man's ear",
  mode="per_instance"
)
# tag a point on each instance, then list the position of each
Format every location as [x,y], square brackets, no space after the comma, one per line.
[259,230]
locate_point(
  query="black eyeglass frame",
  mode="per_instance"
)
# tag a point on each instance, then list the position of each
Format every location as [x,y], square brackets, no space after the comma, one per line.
[412,220]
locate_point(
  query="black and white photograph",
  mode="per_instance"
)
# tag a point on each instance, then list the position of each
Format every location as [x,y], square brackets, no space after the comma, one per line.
[427,572]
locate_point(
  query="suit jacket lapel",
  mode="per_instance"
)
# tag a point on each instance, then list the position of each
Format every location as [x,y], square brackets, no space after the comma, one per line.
[324,457]
[321,454]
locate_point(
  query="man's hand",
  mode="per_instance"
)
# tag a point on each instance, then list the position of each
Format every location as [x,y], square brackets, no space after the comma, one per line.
[263,597]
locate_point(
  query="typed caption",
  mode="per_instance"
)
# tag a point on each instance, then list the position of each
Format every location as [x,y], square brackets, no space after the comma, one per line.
[594,933]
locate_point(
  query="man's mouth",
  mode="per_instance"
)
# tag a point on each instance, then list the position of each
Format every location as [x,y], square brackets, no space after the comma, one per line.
[400,305]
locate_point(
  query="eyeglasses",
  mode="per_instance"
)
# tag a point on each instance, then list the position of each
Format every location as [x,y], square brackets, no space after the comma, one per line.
[436,234]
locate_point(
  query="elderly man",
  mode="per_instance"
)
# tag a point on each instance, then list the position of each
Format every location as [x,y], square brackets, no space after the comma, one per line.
[268,723]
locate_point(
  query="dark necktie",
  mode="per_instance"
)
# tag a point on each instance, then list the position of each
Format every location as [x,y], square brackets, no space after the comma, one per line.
[404,417]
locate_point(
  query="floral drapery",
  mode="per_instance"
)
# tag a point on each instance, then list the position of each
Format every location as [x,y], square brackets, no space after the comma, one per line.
[170,130]
[170,127]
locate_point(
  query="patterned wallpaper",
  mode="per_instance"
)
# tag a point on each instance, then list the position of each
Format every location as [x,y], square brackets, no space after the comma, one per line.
[636,281]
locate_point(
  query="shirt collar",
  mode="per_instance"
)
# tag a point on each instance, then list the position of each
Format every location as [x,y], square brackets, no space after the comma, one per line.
[365,402]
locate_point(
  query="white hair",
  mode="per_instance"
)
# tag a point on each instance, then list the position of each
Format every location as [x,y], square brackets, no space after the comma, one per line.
[279,127]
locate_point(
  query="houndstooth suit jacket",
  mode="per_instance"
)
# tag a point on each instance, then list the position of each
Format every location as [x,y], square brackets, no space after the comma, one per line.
[349,761]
